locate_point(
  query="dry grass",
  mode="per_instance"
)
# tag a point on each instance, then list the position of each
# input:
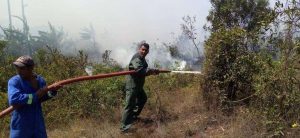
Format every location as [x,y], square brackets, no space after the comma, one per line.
[165,116]
[86,129]
[241,124]
[178,113]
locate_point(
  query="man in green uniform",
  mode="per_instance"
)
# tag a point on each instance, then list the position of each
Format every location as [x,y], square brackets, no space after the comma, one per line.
[135,94]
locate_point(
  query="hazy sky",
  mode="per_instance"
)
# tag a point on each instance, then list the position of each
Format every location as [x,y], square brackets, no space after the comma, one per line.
[119,21]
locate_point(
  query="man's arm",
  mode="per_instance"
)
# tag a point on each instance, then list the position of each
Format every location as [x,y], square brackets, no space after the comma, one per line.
[46,94]
[138,66]
[16,96]
[141,70]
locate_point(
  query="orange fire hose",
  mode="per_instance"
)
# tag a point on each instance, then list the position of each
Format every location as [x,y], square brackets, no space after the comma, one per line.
[77,79]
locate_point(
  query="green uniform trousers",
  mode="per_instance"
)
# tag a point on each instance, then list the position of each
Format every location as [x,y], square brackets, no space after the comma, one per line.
[135,101]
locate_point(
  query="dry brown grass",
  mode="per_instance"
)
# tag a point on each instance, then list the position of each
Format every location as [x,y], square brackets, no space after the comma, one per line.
[86,129]
[240,124]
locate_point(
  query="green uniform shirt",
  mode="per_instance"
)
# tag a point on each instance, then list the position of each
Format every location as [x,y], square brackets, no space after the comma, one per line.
[140,65]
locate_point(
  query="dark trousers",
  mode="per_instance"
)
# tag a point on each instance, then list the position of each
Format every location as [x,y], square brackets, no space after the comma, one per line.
[135,101]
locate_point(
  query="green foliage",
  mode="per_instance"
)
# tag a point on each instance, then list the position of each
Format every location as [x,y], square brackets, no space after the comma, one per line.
[2,45]
[228,68]
[6,70]
[248,14]
[4,75]
[4,123]
[278,82]
[86,99]
[277,88]
[240,62]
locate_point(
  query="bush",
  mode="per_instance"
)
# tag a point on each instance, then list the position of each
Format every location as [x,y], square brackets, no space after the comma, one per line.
[228,69]
[277,87]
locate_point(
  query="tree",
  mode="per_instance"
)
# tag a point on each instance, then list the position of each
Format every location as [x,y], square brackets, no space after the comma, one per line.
[17,41]
[89,34]
[25,33]
[189,29]
[278,82]
[230,57]
[54,38]
[247,14]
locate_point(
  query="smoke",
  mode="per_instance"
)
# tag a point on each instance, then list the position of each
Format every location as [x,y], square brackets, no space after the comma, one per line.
[188,52]
[182,65]
[89,70]
[186,58]
[122,55]
[159,56]
[117,24]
